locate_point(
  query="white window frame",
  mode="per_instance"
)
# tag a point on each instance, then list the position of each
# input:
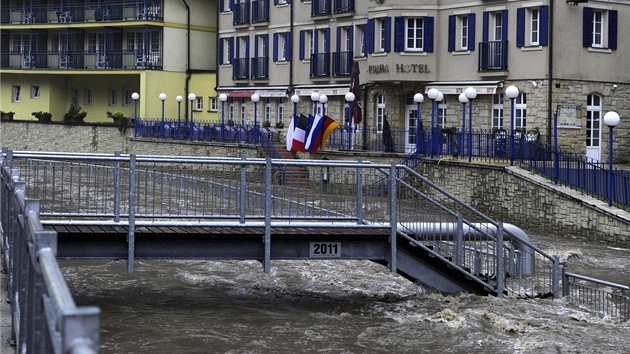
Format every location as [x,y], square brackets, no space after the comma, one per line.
[415,24]
[462,24]
[227,50]
[281,110]
[231,109]
[226,6]
[75,95]
[310,42]
[17,93]
[534,26]
[497,26]
[214,104]
[520,112]
[498,112]
[360,41]
[381,35]
[268,110]
[113,97]
[262,45]
[243,112]
[88,96]
[380,112]
[199,104]
[282,45]
[35,92]
[599,33]
[441,113]
[126,97]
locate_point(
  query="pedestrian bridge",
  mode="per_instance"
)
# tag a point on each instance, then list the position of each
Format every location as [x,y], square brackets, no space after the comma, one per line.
[102,206]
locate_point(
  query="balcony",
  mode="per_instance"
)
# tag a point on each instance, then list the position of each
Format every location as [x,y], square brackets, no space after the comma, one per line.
[320,65]
[493,56]
[240,69]
[320,7]
[80,59]
[342,63]
[344,6]
[260,68]
[241,13]
[260,11]
[125,10]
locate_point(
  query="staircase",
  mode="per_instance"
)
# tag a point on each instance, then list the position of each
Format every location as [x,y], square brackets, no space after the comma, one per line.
[296,176]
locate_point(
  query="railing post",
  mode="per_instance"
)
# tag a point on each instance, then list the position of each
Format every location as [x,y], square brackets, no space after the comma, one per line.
[500,261]
[131,237]
[117,188]
[267,262]
[393,218]
[565,281]
[459,240]
[242,195]
[359,192]
[555,275]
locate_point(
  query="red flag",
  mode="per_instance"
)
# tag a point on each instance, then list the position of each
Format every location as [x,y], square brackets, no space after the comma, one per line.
[328,126]
[299,135]
[354,88]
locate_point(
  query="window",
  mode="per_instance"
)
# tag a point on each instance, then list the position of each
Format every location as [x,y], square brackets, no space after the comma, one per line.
[231,110]
[497,111]
[135,42]
[282,45]
[225,5]
[126,97]
[282,2]
[497,26]
[16,94]
[599,28]
[441,113]
[380,112]
[382,34]
[113,98]
[243,113]
[199,103]
[213,104]
[34,91]
[359,50]
[414,34]
[281,110]
[75,95]
[461,32]
[88,96]
[520,112]
[593,120]
[268,110]
[226,50]
[531,26]
[306,44]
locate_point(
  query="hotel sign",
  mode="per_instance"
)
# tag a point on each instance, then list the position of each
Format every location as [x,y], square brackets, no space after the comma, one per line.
[399,69]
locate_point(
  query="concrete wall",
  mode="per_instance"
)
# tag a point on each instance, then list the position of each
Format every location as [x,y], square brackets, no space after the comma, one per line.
[504,193]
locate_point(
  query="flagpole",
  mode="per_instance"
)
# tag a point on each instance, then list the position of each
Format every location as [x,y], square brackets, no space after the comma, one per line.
[350,98]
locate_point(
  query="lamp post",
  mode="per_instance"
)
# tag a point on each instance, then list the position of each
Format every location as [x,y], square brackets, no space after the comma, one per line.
[433,94]
[463,100]
[179,100]
[418,98]
[323,99]
[192,97]
[162,98]
[611,119]
[135,96]
[350,98]
[223,97]
[255,99]
[471,94]
[512,92]
[295,99]
[315,99]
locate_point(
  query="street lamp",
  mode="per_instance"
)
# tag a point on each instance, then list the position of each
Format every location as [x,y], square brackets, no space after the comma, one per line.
[315,99]
[463,100]
[611,119]
[323,99]
[418,98]
[179,100]
[433,95]
[162,98]
[350,98]
[512,92]
[135,96]
[255,99]
[192,97]
[471,94]
[223,97]
[295,99]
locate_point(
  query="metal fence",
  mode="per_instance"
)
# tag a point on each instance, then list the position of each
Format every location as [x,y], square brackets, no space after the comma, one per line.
[148,190]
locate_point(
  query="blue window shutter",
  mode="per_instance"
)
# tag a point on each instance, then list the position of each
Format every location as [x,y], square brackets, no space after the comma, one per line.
[369,36]
[275,47]
[338,39]
[471,31]
[315,42]
[221,51]
[267,46]
[544,32]
[221,6]
[520,27]
[231,53]
[287,46]
[247,47]
[504,25]
[231,5]
[351,34]
[388,34]
[399,34]
[302,45]
[288,1]
[612,29]
[428,34]
[275,2]
[327,49]
[452,28]
[237,50]
[587,27]
[256,40]
[486,23]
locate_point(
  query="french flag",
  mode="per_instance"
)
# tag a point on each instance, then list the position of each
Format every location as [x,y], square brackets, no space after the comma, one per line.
[314,138]
[290,132]
[299,135]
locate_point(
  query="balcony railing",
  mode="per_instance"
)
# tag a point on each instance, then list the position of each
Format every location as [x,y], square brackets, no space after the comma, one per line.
[241,13]
[260,68]
[119,10]
[320,65]
[112,59]
[342,6]
[342,63]
[320,7]
[493,56]
[240,69]
[260,11]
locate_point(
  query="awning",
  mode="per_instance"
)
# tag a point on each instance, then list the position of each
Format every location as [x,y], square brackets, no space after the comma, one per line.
[328,90]
[249,91]
[457,87]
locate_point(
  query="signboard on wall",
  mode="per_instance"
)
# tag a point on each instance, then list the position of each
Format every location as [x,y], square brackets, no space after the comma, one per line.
[569,116]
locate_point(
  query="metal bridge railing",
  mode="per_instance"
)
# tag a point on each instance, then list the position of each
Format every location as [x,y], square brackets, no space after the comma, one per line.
[45,317]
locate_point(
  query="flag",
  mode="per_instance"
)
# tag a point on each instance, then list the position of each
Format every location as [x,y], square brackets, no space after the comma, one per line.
[314,135]
[290,132]
[299,135]
[328,126]
[354,88]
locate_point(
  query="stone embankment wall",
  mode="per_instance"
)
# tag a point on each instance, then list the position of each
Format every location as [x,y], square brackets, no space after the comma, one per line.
[509,194]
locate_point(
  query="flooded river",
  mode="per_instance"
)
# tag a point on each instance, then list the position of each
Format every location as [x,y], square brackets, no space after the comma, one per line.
[336,307]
